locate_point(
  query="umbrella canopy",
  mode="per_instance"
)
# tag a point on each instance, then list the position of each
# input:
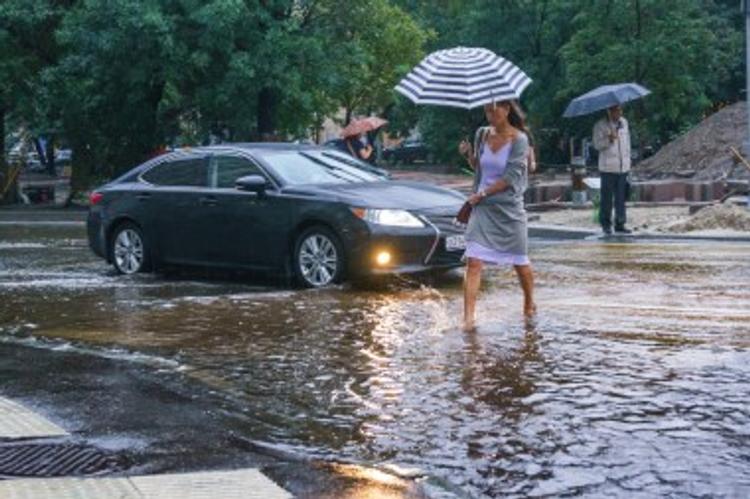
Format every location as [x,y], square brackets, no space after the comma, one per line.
[363,125]
[463,77]
[604,97]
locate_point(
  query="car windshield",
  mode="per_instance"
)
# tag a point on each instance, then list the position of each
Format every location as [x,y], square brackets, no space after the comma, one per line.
[317,167]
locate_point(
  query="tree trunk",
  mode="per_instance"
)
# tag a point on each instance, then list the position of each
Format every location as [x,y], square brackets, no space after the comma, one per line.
[82,163]
[49,154]
[9,197]
[266,114]
[41,151]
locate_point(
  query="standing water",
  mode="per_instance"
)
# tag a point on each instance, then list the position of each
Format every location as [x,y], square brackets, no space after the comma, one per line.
[632,382]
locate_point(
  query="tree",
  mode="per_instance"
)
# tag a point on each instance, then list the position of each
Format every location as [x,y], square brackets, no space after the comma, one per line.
[371,44]
[676,48]
[27,46]
[527,32]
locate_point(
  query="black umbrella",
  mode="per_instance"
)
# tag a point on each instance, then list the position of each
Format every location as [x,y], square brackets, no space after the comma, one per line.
[604,97]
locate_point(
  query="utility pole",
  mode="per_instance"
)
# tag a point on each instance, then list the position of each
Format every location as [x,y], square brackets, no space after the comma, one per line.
[746,11]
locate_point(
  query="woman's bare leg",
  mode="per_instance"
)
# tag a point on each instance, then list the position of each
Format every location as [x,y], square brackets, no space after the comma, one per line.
[526,278]
[472,280]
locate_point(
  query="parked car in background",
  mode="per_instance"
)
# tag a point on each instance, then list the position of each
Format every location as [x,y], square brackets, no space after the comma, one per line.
[340,145]
[408,151]
[311,211]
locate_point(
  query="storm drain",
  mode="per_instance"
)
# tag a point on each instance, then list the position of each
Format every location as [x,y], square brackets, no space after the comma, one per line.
[53,460]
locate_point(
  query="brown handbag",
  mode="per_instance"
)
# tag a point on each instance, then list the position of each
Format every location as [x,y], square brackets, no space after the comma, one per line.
[464,213]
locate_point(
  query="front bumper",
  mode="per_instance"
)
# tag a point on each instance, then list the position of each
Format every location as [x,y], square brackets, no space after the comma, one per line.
[411,250]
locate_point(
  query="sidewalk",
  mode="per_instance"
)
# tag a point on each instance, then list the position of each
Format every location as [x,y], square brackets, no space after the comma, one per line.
[237,484]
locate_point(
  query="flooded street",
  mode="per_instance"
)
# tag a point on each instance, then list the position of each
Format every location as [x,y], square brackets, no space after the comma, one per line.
[633,381]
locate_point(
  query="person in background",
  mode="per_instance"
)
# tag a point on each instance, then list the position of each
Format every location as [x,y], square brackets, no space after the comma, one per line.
[612,140]
[357,148]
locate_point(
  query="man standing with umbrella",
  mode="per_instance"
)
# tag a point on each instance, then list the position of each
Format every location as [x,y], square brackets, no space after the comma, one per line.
[612,140]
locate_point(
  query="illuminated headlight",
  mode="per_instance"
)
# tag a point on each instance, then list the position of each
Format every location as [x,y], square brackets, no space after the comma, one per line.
[383,258]
[394,218]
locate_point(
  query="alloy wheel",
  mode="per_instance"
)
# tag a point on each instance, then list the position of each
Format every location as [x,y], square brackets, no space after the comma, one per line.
[128,251]
[318,260]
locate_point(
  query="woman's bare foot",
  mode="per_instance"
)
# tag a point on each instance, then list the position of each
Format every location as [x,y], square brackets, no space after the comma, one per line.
[529,310]
[469,326]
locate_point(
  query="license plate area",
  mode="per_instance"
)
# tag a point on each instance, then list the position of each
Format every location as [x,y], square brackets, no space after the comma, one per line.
[455,243]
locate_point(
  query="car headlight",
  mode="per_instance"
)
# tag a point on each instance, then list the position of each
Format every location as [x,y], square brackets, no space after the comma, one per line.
[394,218]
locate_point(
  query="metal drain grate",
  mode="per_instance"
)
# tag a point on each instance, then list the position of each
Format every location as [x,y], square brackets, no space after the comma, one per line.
[51,460]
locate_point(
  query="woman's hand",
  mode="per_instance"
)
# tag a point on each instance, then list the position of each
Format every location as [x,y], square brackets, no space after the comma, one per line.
[476,198]
[464,148]
[531,161]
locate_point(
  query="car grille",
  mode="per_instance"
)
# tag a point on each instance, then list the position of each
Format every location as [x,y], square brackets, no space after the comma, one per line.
[445,224]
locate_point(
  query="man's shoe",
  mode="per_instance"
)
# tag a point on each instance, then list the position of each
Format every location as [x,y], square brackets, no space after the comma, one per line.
[623,230]
[607,230]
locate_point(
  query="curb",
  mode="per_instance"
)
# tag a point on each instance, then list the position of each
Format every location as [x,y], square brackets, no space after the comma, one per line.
[562,232]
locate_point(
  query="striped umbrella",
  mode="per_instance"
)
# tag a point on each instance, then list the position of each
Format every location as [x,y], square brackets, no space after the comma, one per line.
[463,77]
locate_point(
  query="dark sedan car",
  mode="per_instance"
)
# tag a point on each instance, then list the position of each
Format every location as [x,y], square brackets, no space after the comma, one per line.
[307,210]
[408,151]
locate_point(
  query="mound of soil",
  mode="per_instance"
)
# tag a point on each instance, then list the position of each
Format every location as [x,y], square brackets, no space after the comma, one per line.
[715,217]
[703,152]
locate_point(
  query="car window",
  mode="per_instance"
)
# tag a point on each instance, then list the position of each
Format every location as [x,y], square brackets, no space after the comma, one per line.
[227,169]
[316,167]
[185,172]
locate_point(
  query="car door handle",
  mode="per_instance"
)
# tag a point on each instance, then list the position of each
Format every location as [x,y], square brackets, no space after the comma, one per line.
[207,201]
[143,196]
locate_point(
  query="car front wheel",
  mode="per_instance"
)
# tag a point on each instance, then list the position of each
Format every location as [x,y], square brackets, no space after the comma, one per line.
[318,258]
[129,249]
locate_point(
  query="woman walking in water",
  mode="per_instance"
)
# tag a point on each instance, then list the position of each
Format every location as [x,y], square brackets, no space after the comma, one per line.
[496,232]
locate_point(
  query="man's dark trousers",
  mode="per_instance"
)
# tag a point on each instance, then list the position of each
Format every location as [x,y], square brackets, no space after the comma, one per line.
[613,185]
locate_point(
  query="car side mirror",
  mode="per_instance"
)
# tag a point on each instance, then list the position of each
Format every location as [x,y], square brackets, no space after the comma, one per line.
[251,183]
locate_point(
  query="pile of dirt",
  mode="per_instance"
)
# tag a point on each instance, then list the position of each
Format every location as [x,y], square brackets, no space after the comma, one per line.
[703,152]
[715,217]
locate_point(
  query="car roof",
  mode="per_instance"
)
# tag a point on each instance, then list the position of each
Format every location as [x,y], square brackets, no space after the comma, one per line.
[250,147]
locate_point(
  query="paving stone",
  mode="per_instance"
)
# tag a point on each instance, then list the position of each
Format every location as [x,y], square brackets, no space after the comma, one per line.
[16,421]
[238,484]
[69,488]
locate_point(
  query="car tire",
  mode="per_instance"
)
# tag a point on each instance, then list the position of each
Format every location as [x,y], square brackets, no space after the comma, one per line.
[129,249]
[318,259]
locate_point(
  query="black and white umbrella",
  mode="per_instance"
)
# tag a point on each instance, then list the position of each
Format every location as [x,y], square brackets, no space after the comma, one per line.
[463,77]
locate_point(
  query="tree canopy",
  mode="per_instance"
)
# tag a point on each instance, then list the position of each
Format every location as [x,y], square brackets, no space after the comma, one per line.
[116,79]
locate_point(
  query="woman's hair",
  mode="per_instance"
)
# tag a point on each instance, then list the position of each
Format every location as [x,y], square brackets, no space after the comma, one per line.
[517,117]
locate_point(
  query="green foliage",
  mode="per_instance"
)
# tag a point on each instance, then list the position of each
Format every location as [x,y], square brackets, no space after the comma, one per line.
[119,78]
[374,44]
[670,46]
[688,52]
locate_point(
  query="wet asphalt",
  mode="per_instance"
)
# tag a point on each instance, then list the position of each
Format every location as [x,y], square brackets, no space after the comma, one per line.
[632,382]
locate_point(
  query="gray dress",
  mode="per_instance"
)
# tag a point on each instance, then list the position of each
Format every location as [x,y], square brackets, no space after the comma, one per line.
[496,231]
